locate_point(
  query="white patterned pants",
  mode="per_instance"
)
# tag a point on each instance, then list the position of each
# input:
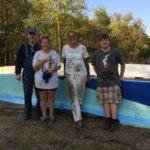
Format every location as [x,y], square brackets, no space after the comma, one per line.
[76,86]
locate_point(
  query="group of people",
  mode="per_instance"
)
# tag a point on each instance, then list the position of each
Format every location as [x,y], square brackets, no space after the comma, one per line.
[40,64]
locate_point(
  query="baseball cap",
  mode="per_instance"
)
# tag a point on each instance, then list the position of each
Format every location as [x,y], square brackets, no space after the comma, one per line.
[32,30]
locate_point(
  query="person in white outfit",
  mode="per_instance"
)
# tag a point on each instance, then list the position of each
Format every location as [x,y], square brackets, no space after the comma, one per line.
[76,70]
[46,62]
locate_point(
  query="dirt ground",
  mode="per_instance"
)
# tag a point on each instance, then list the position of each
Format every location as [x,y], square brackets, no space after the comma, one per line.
[16,134]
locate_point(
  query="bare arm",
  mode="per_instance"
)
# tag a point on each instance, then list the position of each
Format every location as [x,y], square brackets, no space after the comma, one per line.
[95,69]
[86,61]
[64,62]
[51,70]
[56,68]
[122,69]
[40,63]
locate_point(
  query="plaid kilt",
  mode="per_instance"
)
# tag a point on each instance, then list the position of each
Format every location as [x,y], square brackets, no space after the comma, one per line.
[111,94]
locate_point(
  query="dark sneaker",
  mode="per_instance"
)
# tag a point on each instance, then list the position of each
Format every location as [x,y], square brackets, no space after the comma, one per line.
[115,125]
[106,125]
[79,123]
[51,120]
[26,117]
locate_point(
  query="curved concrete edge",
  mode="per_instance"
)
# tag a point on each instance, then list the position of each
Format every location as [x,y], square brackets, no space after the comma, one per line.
[131,112]
[125,119]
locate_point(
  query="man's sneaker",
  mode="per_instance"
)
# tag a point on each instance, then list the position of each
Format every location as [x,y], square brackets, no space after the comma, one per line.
[26,117]
[79,123]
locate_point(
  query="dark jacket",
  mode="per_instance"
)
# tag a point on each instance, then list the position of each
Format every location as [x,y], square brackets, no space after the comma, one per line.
[25,56]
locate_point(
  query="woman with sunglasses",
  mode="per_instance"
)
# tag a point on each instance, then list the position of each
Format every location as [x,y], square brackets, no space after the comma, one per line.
[46,62]
[76,70]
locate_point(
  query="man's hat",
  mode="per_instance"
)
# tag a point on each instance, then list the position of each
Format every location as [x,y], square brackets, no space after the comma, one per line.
[32,30]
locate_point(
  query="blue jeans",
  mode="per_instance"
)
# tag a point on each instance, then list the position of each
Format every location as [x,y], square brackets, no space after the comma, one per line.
[28,85]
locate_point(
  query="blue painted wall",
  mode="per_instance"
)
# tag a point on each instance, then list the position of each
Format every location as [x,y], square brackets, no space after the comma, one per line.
[134,108]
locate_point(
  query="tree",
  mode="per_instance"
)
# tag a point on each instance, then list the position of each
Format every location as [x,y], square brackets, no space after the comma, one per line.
[11,28]
[56,18]
[128,34]
[53,18]
[102,20]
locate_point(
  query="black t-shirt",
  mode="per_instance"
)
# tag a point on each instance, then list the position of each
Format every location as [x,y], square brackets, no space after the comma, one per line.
[25,56]
[107,66]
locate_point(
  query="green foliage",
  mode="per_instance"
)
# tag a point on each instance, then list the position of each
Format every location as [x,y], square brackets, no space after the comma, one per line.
[11,28]
[129,35]
[56,18]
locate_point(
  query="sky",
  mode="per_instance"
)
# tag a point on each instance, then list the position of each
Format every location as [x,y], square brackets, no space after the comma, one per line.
[138,8]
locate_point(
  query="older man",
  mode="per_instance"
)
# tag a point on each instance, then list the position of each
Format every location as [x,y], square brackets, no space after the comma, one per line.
[24,61]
